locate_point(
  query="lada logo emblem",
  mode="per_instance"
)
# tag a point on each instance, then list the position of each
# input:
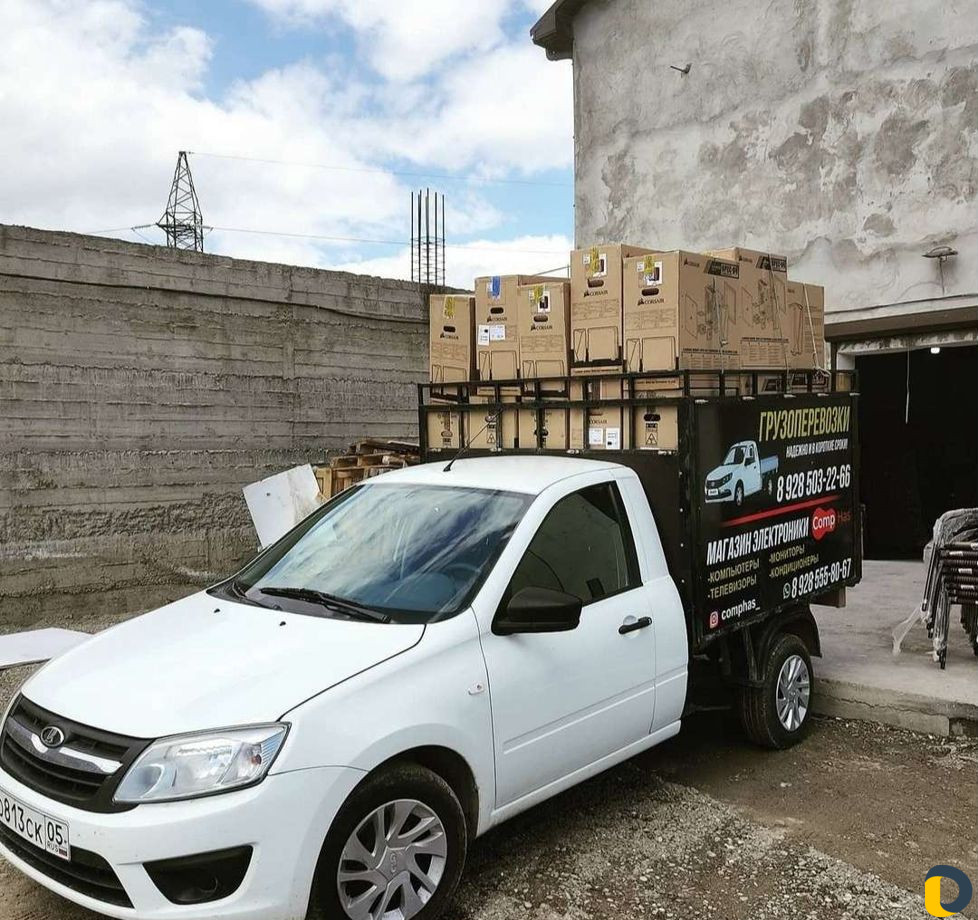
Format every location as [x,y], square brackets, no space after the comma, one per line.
[52,736]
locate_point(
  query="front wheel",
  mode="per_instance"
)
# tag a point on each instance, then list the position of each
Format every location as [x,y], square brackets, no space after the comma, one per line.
[777,713]
[739,494]
[395,850]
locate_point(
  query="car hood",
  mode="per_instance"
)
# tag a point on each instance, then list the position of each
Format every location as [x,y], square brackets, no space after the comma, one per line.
[203,662]
[722,471]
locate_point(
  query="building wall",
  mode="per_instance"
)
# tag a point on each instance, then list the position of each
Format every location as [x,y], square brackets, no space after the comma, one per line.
[141,388]
[842,134]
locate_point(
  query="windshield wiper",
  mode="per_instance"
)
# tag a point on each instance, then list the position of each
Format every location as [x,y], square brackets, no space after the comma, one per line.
[328,600]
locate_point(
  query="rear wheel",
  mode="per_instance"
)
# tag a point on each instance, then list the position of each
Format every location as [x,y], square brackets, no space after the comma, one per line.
[395,850]
[777,713]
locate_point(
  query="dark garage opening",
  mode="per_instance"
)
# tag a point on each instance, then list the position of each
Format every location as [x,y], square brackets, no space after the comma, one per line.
[913,471]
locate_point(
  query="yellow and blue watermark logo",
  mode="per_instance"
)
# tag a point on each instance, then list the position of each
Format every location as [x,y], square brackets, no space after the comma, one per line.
[932,891]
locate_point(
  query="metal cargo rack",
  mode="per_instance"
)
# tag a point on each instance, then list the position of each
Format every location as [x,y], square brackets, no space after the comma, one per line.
[541,394]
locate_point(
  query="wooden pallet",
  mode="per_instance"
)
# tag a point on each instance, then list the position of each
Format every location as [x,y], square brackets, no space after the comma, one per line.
[365,459]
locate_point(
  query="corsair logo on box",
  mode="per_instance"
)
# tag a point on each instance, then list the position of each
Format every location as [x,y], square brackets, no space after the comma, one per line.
[823,522]
[723,269]
[772,263]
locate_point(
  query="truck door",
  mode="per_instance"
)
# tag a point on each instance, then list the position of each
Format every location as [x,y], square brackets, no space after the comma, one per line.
[562,701]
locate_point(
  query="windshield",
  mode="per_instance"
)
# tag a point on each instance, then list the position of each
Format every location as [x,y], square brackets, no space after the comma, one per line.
[415,552]
[735,456]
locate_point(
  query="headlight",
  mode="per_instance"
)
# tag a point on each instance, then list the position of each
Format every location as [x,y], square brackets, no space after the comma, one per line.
[188,766]
[723,480]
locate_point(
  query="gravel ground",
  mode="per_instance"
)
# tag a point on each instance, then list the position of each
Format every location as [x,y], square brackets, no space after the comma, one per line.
[844,826]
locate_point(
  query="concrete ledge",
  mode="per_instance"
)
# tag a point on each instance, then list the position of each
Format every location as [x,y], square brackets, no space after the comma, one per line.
[911,711]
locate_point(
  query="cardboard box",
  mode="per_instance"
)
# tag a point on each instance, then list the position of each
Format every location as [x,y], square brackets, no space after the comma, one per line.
[543,318]
[655,426]
[763,302]
[681,312]
[487,432]
[496,324]
[444,426]
[598,428]
[554,429]
[596,307]
[806,325]
[451,337]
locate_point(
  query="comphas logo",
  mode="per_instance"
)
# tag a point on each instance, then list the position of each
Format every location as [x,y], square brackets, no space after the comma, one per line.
[823,522]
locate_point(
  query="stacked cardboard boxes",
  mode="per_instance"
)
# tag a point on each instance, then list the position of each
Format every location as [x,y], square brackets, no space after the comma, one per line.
[497,326]
[625,309]
[806,325]
[599,428]
[543,318]
[763,279]
[596,307]
[681,312]
[451,338]
[451,359]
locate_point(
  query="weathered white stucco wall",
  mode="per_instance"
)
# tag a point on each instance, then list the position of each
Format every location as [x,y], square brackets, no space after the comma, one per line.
[841,133]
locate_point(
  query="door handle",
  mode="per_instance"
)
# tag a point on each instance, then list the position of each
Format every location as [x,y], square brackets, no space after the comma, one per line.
[631,624]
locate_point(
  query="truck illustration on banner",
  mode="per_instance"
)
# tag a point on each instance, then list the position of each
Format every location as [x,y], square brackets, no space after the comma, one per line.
[743,472]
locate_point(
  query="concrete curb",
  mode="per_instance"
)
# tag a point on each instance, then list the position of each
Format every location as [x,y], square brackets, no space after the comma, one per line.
[948,718]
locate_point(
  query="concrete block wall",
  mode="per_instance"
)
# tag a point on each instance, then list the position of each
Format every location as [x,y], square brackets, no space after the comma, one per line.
[141,388]
[843,135]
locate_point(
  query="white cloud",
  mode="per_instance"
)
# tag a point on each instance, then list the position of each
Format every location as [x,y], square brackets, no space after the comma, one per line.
[486,114]
[89,140]
[404,39]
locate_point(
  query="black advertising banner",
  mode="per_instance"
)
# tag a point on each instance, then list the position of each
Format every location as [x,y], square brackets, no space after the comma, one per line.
[777,504]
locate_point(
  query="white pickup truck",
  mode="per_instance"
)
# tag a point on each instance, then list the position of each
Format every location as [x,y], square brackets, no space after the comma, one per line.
[743,472]
[427,655]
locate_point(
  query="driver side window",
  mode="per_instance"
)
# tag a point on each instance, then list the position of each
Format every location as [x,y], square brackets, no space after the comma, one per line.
[584,547]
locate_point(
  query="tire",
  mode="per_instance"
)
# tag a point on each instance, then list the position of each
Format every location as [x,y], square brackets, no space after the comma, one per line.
[769,717]
[739,494]
[769,487]
[396,787]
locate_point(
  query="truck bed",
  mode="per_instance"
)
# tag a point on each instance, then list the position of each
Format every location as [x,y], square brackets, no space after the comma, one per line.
[789,544]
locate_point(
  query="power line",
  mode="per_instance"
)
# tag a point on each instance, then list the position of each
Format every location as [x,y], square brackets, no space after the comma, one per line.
[478,180]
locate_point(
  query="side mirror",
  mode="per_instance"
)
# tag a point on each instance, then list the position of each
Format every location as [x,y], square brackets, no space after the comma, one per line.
[538,610]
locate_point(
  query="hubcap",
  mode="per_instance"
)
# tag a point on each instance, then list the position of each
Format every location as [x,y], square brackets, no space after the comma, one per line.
[794,692]
[392,863]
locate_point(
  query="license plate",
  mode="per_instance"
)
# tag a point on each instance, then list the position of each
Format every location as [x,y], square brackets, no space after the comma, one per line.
[39,829]
[712,492]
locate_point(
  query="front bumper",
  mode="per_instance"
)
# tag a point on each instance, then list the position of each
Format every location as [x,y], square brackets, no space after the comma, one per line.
[285,819]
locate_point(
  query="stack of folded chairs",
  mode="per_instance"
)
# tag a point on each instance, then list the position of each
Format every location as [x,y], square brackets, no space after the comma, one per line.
[952,579]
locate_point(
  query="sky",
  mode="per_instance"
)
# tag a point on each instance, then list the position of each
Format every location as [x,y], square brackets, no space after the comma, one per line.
[314,118]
